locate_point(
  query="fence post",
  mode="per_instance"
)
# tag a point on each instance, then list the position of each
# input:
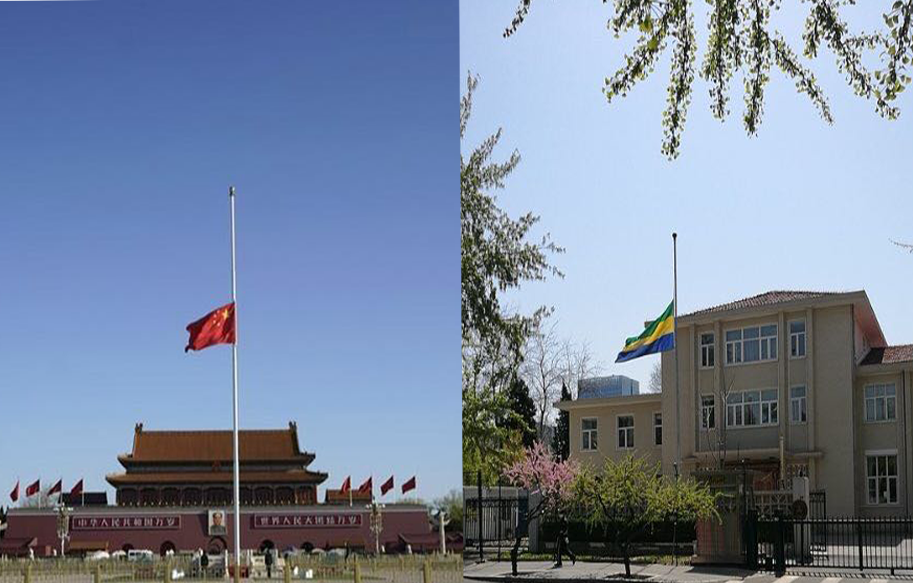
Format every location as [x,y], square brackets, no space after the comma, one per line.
[357,570]
[859,543]
[167,577]
[97,578]
[500,514]
[479,500]
[287,575]
[426,570]
[28,573]
[780,548]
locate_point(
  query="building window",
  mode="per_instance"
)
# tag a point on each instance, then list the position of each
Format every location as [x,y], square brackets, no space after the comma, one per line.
[880,402]
[881,478]
[658,428]
[797,339]
[708,412]
[751,408]
[589,431]
[625,431]
[751,344]
[707,350]
[798,412]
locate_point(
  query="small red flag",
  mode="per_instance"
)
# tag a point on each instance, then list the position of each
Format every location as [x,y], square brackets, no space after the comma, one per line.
[409,485]
[33,489]
[367,487]
[56,488]
[347,485]
[216,327]
[386,486]
[14,495]
[77,489]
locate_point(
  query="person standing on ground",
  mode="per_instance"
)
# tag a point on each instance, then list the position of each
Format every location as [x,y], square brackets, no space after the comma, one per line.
[564,545]
[269,563]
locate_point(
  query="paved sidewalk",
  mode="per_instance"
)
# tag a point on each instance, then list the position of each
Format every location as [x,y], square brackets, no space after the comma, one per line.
[545,572]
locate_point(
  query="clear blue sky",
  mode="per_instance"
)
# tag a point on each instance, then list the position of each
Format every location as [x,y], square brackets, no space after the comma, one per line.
[802,206]
[122,125]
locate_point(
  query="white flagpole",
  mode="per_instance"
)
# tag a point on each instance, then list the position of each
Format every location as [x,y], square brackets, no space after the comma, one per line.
[678,417]
[234,382]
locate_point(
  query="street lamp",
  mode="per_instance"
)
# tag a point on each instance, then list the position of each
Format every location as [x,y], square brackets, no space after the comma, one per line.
[63,525]
[377,524]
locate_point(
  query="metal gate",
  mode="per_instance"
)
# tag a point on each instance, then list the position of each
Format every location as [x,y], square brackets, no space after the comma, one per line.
[843,543]
[494,517]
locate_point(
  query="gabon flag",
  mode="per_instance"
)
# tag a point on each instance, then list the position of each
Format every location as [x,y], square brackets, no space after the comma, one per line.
[216,327]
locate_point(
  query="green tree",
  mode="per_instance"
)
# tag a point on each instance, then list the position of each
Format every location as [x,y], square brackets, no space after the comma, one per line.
[742,39]
[452,504]
[628,497]
[496,256]
[523,420]
[561,442]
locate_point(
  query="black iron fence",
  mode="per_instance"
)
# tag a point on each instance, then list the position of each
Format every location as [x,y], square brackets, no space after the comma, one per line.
[842,543]
[494,516]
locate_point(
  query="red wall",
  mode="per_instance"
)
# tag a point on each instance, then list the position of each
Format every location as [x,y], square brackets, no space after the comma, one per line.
[192,533]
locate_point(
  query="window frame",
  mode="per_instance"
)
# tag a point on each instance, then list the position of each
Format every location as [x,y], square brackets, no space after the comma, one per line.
[629,443]
[888,478]
[659,426]
[769,341]
[803,404]
[885,398]
[743,409]
[589,433]
[708,350]
[796,335]
[712,416]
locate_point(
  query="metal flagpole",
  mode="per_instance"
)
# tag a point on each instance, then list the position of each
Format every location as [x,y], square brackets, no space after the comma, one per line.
[678,416]
[234,382]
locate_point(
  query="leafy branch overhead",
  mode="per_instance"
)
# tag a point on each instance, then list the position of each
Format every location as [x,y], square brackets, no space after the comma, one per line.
[741,40]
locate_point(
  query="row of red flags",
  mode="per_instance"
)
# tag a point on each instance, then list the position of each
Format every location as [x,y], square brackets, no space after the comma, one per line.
[35,487]
[368,486]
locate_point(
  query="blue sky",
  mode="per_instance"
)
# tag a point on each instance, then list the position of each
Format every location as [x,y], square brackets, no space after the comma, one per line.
[122,124]
[803,205]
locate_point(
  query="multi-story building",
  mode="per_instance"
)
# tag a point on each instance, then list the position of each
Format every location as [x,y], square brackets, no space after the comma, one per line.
[611,386]
[786,382]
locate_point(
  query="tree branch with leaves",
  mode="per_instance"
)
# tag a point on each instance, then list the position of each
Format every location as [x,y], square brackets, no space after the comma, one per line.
[742,39]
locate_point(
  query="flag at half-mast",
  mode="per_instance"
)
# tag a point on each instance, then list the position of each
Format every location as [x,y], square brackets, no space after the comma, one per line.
[216,327]
[658,336]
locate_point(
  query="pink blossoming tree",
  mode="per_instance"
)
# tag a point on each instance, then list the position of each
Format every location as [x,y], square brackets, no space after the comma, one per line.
[539,473]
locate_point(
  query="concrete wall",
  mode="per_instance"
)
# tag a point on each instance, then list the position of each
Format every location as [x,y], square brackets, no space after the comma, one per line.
[606,412]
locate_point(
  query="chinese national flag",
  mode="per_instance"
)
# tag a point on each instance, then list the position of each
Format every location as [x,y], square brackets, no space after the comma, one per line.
[14,495]
[409,485]
[56,488]
[347,485]
[386,486]
[367,487]
[77,489]
[216,327]
[33,488]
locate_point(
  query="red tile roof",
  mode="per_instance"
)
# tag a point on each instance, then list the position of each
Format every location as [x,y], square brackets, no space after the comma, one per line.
[770,298]
[215,446]
[889,355]
[168,478]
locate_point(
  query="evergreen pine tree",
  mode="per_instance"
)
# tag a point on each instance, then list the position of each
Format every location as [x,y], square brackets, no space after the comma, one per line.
[561,443]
